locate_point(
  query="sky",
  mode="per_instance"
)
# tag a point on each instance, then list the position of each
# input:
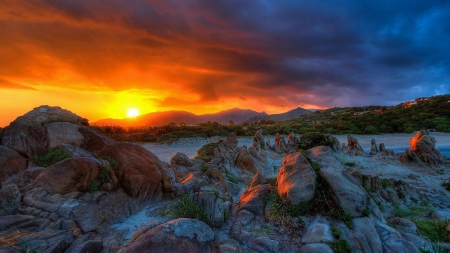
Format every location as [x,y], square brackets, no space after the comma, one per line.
[100,58]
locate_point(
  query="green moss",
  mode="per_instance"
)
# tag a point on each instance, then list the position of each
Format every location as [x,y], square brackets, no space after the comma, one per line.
[231,178]
[341,246]
[54,156]
[433,229]
[94,186]
[206,153]
[114,164]
[183,207]
[350,164]
[336,232]
[204,167]
[366,211]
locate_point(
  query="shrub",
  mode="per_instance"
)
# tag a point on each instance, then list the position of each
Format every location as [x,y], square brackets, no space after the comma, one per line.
[55,155]
[446,185]
[366,211]
[350,164]
[114,164]
[183,207]
[94,186]
[341,246]
[281,212]
[313,139]
[204,167]
[336,232]
[205,153]
[433,229]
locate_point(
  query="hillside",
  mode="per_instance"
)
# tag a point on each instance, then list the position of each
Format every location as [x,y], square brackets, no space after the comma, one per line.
[295,113]
[236,115]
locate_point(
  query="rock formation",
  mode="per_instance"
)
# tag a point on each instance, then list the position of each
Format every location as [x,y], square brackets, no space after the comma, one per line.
[296,180]
[280,144]
[424,146]
[335,144]
[353,148]
[373,147]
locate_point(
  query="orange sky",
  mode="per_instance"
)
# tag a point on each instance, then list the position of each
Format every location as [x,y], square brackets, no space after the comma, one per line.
[98,63]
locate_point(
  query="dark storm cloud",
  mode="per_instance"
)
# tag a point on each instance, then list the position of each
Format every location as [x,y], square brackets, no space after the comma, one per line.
[325,53]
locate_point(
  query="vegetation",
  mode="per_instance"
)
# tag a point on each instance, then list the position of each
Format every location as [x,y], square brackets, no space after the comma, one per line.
[204,167]
[446,185]
[103,178]
[350,164]
[312,139]
[183,207]
[55,155]
[231,178]
[114,164]
[205,153]
[339,245]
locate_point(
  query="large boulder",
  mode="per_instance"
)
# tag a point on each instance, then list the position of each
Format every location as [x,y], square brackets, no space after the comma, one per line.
[334,143]
[71,174]
[280,144]
[11,163]
[353,148]
[140,172]
[424,146]
[58,133]
[180,235]
[345,189]
[258,140]
[27,133]
[182,163]
[296,180]
[9,200]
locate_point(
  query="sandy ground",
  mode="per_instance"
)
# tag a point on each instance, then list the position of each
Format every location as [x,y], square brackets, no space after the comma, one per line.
[189,146]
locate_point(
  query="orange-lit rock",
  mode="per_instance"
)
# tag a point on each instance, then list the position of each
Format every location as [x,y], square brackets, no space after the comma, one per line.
[296,180]
[424,146]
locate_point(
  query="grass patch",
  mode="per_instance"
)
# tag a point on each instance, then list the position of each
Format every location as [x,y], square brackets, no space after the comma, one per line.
[183,207]
[204,167]
[54,156]
[341,246]
[432,229]
[231,178]
[350,164]
[446,185]
[412,211]
[281,212]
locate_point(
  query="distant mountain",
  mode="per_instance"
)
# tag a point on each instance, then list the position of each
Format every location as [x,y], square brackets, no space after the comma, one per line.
[237,115]
[297,112]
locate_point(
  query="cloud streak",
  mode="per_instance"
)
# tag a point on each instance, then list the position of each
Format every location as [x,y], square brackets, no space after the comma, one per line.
[277,54]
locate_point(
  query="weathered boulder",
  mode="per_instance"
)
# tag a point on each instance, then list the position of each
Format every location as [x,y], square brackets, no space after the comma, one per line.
[27,133]
[253,199]
[393,240]
[404,225]
[212,204]
[366,234]
[296,180]
[251,160]
[424,146]
[10,163]
[182,163]
[58,133]
[140,172]
[345,189]
[258,140]
[280,144]
[353,148]
[316,248]
[318,231]
[71,174]
[335,144]
[9,200]
[89,242]
[180,235]
[373,147]
[93,139]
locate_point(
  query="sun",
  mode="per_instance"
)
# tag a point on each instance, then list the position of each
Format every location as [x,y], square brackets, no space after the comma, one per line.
[132,112]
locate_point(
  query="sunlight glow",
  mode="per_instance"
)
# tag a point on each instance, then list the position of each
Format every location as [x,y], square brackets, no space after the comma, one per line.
[132,112]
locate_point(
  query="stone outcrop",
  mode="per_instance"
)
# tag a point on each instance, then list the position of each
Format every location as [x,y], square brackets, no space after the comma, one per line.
[345,189]
[180,235]
[296,180]
[9,200]
[258,140]
[71,174]
[140,172]
[27,133]
[353,148]
[335,144]
[373,147]
[280,144]
[11,163]
[181,163]
[424,146]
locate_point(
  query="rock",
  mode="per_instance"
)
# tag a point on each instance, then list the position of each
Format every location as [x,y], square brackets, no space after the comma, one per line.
[404,225]
[194,181]
[180,235]
[335,144]
[251,160]
[318,231]
[140,172]
[9,200]
[366,233]
[440,215]
[252,199]
[182,163]
[93,139]
[90,242]
[280,144]
[393,241]
[382,147]
[258,140]
[316,248]
[213,206]
[345,189]
[58,133]
[353,147]
[75,151]
[296,180]
[230,246]
[373,147]
[424,146]
[264,244]
[11,163]
[26,134]
[71,174]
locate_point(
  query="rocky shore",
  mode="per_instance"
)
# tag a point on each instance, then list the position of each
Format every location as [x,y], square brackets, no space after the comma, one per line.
[65,187]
